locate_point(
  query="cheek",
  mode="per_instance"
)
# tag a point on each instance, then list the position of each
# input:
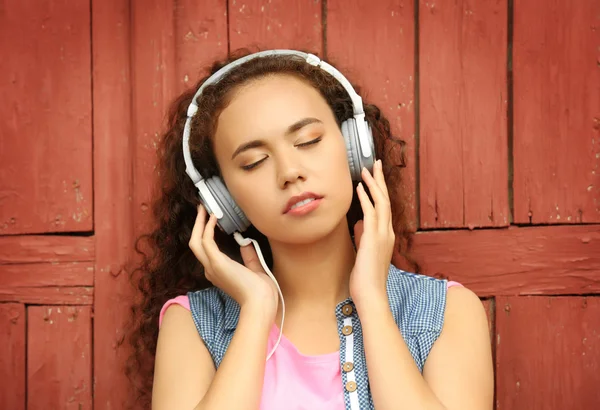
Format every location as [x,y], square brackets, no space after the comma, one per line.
[252,198]
[337,164]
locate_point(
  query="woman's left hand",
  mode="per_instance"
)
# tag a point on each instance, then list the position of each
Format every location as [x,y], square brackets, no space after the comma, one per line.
[374,237]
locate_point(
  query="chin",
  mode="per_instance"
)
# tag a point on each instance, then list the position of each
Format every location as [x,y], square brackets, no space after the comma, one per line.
[306,232]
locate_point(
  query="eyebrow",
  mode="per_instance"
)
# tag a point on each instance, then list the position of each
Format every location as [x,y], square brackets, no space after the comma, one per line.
[295,127]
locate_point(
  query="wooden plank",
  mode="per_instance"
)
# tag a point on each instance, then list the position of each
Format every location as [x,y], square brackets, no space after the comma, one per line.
[47,274]
[548,353]
[50,295]
[200,38]
[46,248]
[268,24]
[113,152]
[59,357]
[540,260]
[45,117]
[12,358]
[463,114]
[373,44]
[154,87]
[556,112]
[169,53]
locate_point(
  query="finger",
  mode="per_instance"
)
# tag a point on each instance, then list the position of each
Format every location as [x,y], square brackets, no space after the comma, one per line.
[250,258]
[380,178]
[373,185]
[214,255]
[200,221]
[359,229]
[381,200]
[367,207]
[195,243]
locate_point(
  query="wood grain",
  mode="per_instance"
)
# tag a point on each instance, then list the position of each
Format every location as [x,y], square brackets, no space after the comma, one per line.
[153,89]
[265,24]
[556,111]
[12,359]
[113,191]
[59,357]
[45,117]
[200,38]
[46,248]
[540,260]
[50,295]
[548,353]
[372,43]
[463,114]
[47,274]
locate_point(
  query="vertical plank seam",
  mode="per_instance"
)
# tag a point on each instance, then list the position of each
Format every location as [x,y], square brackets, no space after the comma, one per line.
[324,28]
[509,111]
[93,205]
[228,28]
[132,123]
[462,102]
[176,52]
[417,117]
[92,112]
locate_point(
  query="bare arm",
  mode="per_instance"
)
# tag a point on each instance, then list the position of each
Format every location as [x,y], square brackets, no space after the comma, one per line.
[460,368]
[458,373]
[185,376]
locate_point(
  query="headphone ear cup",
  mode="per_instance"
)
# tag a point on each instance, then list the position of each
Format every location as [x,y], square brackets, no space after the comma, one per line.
[234,218]
[349,132]
[356,161]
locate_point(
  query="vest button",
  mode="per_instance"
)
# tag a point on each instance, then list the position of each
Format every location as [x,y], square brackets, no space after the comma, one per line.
[347,330]
[347,309]
[348,367]
[351,386]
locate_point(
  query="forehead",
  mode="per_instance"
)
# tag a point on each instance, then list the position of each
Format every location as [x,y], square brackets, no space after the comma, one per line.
[267,107]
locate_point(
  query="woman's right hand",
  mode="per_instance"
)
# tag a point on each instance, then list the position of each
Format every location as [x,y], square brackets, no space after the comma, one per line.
[247,284]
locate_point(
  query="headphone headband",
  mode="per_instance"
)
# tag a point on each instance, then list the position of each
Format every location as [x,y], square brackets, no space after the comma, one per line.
[311,59]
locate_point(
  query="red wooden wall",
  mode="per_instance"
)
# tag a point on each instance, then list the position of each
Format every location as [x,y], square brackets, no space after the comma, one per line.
[499,102]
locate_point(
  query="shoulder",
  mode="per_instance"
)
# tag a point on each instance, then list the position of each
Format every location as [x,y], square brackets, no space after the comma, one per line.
[460,367]
[177,332]
[213,312]
[463,306]
[408,284]
[417,301]
[182,361]
[212,301]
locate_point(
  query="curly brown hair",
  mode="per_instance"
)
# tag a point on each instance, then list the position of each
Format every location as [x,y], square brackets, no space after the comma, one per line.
[168,268]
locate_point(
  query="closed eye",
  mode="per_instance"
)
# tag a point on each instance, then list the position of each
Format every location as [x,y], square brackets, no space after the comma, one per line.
[257,163]
[253,165]
[305,144]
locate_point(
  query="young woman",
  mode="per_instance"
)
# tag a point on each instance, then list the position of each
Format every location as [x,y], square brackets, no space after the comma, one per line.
[280,149]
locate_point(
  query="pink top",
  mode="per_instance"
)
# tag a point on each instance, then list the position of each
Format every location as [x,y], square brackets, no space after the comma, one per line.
[289,373]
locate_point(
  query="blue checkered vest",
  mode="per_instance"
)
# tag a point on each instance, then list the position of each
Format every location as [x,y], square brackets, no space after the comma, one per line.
[417,303]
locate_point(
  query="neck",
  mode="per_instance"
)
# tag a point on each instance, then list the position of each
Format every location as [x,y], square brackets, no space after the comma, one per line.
[317,273]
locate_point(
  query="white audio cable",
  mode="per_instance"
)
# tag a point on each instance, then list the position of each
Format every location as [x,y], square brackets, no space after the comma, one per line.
[245,242]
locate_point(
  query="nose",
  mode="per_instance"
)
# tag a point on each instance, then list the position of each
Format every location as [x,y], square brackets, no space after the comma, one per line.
[289,170]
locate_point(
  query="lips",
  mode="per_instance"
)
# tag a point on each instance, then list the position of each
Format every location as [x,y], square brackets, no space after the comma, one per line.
[298,198]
